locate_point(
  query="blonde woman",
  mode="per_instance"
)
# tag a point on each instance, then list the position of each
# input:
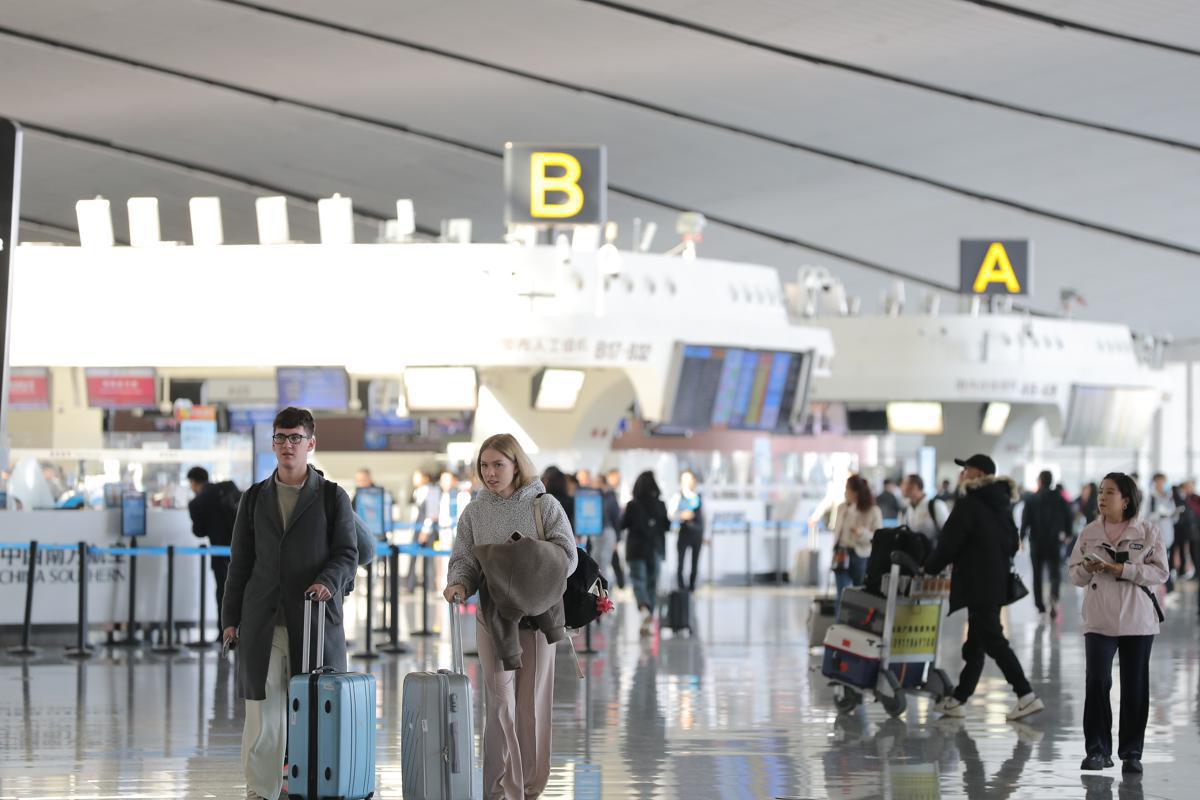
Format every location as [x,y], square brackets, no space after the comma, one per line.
[516,728]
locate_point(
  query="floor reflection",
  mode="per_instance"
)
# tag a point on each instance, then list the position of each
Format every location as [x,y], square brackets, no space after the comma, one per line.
[737,711]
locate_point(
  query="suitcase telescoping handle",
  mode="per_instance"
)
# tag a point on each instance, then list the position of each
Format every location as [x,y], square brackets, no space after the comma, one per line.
[456,646]
[311,600]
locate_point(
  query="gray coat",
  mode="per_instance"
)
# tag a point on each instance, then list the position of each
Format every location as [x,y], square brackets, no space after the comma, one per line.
[277,565]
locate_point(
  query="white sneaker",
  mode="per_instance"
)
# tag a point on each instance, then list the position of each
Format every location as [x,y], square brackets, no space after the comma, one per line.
[1029,704]
[950,707]
[647,624]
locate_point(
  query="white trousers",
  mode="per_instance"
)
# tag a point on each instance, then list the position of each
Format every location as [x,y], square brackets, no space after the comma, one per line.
[264,737]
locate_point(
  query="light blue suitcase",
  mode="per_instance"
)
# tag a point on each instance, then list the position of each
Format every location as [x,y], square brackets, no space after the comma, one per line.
[331,727]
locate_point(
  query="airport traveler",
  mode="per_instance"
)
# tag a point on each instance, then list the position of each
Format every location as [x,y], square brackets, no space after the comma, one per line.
[1185,534]
[426,498]
[1086,504]
[888,501]
[362,480]
[558,487]
[606,542]
[1046,522]
[645,517]
[922,513]
[980,539]
[213,511]
[1160,508]
[857,520]
[612,516]
[284,549]
[946,494]
[1121,560]
[687,510]
[518,703]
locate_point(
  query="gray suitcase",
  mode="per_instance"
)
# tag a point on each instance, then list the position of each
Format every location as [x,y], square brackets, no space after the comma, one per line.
[437,748]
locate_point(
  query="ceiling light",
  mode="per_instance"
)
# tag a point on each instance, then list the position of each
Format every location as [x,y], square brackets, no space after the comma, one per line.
[207,230]
[995,417]
[143,221]
[406,218]
[557,389]
[95,222]
[272,220]
[440,388]
[923,418]
[335,216]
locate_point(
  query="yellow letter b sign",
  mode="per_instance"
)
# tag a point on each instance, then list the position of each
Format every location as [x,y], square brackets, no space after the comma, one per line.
[554,185]
[994,266]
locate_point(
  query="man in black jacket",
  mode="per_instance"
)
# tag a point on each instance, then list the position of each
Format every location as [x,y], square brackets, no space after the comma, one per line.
[1046,521]
[979,539]
[213,511]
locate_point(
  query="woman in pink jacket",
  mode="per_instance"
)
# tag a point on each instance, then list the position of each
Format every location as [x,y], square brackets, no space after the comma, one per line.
[1119,559]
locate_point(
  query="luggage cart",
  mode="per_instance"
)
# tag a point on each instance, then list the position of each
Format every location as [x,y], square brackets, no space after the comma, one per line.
[914,609]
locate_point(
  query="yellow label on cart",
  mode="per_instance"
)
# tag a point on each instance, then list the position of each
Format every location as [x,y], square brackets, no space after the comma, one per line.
[916,629]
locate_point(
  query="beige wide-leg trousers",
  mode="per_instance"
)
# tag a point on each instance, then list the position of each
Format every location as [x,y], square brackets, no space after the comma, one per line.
[264,737]
[516,726]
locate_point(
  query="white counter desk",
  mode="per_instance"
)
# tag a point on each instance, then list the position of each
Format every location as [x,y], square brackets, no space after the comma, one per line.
[56,590]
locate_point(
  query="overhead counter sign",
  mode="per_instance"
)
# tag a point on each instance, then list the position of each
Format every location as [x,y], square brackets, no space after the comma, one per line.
[994,266]
[555,185]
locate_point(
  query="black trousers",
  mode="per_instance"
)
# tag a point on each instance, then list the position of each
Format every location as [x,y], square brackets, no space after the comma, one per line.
[1181,550]
[1046,558]
[220,571]
[689,540]
[1135,694]
[985,637]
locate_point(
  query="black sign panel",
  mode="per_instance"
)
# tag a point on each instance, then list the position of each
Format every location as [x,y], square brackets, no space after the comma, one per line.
[555,185]
[10,214]
[994,266]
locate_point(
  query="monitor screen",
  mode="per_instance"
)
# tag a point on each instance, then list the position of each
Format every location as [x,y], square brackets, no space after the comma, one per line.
[737,388]
[314,388]
[589,513]
[29,389]
[866,420]
[369,503]
[242,419]
[133,513]
[119,389]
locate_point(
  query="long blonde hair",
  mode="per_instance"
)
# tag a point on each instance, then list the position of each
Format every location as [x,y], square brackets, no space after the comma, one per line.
[507,445]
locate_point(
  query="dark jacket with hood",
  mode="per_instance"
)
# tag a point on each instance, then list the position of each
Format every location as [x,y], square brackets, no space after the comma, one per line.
[647,523]
[979,539]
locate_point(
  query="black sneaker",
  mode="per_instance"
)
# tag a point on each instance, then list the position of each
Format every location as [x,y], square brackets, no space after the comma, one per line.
[1093,762]
[1132,766]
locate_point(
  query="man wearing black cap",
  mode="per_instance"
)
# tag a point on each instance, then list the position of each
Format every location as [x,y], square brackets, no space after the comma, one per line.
[980,539]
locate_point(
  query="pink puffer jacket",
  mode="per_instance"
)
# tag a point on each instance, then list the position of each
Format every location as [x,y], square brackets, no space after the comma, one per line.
[1124,606]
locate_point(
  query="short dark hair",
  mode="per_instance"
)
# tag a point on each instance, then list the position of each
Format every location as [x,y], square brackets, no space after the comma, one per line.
[916,480]
[1045,479]
[1158,475]
[645,488]
[887,481]
[198,474]
[1129,491]
[292,417]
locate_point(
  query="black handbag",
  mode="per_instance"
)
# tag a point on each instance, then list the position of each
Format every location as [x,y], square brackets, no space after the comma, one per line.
[1016,587]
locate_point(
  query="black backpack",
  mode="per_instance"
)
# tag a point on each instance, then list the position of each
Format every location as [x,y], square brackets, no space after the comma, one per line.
[883,543]
[585,586]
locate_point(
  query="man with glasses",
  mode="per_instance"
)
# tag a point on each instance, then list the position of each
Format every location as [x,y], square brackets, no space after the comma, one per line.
[284,548]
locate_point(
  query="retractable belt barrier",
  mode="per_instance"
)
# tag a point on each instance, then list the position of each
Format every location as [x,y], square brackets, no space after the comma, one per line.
[82,649]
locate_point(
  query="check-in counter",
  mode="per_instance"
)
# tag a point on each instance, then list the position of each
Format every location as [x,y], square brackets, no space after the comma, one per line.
[56,588]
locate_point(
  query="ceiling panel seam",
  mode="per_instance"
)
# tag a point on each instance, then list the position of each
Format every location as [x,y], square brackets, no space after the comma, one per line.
[400,128]
[881,75]
[1083,27]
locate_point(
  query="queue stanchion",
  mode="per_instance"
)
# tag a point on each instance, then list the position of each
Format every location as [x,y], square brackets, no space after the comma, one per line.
[81,649]
[385,604]
[394,646]
[369,628]
[131,638]
[426,630]
[202,643]
[168,645]
[588,650]
[749,556]
[779,551]
[24,648]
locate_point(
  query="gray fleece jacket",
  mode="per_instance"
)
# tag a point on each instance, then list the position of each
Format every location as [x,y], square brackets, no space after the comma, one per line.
[491,519]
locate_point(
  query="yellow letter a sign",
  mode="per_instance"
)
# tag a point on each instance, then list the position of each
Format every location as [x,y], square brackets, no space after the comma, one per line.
[996,268]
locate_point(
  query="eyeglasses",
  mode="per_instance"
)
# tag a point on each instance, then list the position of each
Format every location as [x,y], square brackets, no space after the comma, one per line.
[294,438]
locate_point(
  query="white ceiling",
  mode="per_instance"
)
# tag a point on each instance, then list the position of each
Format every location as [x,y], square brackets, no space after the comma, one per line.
[230,100]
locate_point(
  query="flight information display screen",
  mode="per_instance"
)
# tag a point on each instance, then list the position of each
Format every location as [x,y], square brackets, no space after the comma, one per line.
[314,388]
[738,388]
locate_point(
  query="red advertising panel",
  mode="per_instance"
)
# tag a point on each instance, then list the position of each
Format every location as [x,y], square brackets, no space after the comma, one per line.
[29,389]
[121,388]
